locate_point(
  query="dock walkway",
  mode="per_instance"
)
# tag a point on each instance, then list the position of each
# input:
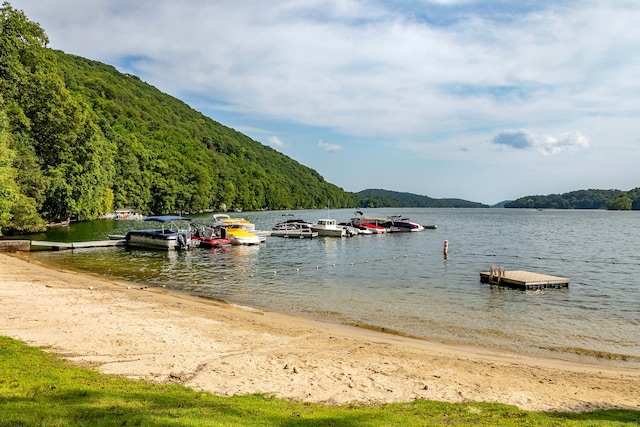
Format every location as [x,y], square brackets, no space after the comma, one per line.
[524,280]
[57,246]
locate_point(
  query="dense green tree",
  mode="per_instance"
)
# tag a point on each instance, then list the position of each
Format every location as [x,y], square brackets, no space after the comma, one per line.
[375,198]
[9,191]
[582,199]
[621,202]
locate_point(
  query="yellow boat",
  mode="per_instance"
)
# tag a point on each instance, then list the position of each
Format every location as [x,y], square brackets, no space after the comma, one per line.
[240,236]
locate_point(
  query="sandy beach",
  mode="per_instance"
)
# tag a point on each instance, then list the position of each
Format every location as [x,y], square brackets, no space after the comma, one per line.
[127,329]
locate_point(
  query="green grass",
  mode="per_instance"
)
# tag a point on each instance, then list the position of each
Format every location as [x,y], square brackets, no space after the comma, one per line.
[39,389]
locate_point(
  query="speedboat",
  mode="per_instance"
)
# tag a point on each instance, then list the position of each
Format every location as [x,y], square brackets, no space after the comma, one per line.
[329,228]
[392,223]
[373,224]
[239,236]
[170,236]
[210,236]
[353,229]
[398,223]
[227,221]
[373,228]
[240,231]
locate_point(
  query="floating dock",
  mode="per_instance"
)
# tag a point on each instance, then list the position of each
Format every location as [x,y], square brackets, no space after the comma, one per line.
[58,246]
[524,280]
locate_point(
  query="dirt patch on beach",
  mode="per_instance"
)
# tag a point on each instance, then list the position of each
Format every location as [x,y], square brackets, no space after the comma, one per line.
[127,329]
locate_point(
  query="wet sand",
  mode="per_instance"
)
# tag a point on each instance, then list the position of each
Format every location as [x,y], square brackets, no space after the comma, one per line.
[123,328]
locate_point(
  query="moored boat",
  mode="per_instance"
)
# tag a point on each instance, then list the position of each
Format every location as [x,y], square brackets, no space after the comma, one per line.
[169,237]
[210,236]
[296,228]
[394,223]
[239,236]
[62,223]
[398,223]
[329,228]
[240,231]
[227,221]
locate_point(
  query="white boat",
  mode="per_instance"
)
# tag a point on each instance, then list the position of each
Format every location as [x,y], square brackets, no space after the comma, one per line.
[295,228]
[329,228]
[174,234]
[352,230]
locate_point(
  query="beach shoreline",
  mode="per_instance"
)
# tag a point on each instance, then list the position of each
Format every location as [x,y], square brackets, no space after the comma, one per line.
[140,332]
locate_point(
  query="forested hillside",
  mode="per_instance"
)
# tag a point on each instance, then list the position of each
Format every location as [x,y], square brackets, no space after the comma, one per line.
[384,198]
[582,199]
[78,138]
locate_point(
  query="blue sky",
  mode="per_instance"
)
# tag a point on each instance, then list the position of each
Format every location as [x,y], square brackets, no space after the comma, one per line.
[479,100]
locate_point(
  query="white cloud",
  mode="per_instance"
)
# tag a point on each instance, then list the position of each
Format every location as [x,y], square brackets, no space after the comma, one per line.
[276,142]
[329,148]
[570,141]
[546,144]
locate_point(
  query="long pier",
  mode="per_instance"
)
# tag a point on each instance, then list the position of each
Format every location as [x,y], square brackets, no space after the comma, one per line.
[58,246]
[524,280]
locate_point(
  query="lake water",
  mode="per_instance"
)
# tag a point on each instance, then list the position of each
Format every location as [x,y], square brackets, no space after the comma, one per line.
[402,282]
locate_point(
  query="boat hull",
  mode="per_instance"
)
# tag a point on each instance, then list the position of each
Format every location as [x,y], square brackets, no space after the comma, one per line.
[213,243]
[157,239]
[238,236]
[295,234]
[330,232]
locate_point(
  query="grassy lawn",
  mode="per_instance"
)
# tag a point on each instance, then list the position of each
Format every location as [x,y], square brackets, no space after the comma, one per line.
[38,389]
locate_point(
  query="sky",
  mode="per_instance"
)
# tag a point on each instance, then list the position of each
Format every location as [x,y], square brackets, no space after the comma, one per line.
[485,101]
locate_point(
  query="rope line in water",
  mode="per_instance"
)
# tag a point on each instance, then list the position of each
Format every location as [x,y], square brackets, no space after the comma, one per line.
[320,267]
[364,262]
[558,259]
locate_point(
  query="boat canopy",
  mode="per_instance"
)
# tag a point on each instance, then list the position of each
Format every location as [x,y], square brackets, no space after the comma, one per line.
[166,218]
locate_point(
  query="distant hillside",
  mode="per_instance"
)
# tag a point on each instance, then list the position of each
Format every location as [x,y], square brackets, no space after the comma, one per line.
[582,199]
[501,204]
[384,198]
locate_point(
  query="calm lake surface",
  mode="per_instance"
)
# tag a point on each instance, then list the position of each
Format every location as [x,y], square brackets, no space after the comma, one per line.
[402,282]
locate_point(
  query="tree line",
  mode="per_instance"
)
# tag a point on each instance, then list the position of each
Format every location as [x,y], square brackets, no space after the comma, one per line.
[377,198]
[582,199]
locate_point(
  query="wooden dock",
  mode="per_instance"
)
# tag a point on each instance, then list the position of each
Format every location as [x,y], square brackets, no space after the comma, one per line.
[524,280]
[14,245]
[58,246]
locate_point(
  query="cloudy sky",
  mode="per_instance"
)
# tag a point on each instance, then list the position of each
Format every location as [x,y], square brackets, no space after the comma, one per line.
[480,100]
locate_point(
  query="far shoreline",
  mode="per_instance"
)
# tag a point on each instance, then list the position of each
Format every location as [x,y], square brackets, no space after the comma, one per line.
[153,333]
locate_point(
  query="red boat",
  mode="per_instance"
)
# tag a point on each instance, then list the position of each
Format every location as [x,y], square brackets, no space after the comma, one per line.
[210,236]
[376,229]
